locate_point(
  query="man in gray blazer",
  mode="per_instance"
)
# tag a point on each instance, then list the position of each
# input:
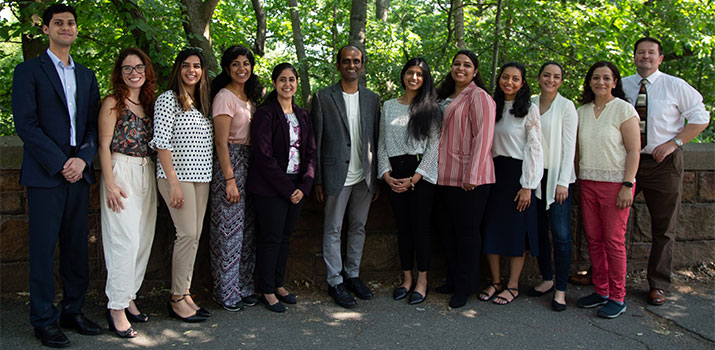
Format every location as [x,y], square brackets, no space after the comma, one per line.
[345,118]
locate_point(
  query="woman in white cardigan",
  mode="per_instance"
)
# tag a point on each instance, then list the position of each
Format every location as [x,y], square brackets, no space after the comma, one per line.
[558,125]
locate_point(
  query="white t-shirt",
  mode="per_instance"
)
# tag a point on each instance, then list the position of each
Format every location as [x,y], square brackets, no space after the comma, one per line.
[352,109]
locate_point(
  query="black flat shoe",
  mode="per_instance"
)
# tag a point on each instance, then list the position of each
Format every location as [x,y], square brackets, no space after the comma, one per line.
[288,298]
[399,293]
[128,333]
[195,318]
[277,307]
[458,300]
[80,323]
[557,306]
[140,318]
[535,293]
[52,336]
[416,298]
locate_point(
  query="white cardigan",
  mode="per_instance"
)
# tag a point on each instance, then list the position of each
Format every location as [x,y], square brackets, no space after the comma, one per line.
[560,134]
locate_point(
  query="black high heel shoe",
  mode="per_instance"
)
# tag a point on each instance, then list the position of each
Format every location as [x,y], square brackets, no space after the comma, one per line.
[129,333]
[140,318]
[201,311]
[195,318]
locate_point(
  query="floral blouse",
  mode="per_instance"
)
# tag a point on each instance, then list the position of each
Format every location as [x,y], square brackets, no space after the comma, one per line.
[132,134]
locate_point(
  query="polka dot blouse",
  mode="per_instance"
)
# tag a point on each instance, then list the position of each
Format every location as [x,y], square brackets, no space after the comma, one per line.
[187,134]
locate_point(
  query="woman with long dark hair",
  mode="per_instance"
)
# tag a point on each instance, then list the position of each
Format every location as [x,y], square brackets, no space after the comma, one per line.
[128,190]
[465,173]
[608,156]
[280,177]
[553,197]
[183,139]
[235,92]
[510,227]
[407,161]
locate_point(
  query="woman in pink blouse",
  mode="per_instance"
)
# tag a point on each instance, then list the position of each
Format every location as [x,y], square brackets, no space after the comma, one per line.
[465,172]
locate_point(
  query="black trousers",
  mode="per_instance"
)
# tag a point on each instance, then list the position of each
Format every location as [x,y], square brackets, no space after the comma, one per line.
[58,214]
[412,211]
[461,214]
[275,217]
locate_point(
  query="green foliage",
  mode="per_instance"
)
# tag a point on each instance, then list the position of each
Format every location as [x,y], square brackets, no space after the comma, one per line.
[575,33]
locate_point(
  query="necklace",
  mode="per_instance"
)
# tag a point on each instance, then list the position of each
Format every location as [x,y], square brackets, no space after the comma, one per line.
[132,101]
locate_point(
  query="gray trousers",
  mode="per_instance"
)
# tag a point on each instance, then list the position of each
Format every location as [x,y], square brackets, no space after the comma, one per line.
[356,199]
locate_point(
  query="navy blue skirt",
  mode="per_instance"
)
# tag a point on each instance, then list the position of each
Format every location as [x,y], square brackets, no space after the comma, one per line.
[506,231]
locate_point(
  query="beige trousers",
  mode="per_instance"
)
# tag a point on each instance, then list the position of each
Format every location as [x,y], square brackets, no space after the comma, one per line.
[188,222]
[127,236]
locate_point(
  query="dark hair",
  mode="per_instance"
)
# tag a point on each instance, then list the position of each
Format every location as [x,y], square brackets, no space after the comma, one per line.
[424,110]
[522,101]
[340,52]
[446,88]
[119,90]
[57,8]
[252,87]
[273,95]
[588,96]
[201,92]
[548,63]
[647,38]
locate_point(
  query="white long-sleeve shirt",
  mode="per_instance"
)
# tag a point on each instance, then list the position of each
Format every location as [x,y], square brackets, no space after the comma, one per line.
[520,138]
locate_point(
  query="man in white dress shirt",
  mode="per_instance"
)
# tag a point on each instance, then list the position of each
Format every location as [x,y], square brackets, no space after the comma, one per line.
[665,103]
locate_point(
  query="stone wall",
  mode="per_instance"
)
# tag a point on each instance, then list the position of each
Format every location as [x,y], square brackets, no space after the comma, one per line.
[695,242]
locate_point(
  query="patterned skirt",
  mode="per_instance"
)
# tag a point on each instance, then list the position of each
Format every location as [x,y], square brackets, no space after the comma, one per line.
[233,248]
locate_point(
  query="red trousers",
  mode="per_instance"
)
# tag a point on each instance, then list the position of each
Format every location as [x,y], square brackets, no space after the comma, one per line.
[605,227]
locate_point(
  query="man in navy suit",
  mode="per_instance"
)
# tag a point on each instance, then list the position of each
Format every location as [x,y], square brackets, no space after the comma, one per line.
[55,103]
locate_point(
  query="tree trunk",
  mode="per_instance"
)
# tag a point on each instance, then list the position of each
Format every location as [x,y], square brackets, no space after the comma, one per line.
[259,46]
[139,34]
[196,26]
[300,52]
[495,54]
[459,23]
[381,8]
[32,44]
[334,26]
[358,19]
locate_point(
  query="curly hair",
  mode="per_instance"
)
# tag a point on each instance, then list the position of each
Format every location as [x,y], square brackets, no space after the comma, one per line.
[252,87]
[119,89]
[522,101]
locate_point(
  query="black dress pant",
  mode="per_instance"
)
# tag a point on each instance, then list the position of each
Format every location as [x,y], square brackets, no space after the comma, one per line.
[412,211]
[58,214]
[461,214]
[275,217]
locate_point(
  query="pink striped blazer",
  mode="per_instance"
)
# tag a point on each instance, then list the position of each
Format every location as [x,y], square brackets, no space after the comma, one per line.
[466,141]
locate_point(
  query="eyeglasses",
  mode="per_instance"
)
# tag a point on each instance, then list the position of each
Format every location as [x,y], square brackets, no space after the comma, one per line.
[140,68]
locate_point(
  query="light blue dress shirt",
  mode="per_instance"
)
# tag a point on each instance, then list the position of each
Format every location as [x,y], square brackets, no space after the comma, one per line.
[69,84]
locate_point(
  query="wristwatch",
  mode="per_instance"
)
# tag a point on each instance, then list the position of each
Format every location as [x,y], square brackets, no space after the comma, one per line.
[678,142]
[627,184]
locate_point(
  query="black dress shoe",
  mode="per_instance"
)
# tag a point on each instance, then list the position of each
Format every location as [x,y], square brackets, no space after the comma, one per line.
[80,323]
[341,296]
[458,300]
[277,307]
[128,333]
[203,312]
[358,288]
[250,300]
[416,298]
[557,306]
[195,318]
[288,298]
[52,336]
[399,293]
[140,318]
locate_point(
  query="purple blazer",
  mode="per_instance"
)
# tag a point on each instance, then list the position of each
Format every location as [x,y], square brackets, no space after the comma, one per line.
[269,148]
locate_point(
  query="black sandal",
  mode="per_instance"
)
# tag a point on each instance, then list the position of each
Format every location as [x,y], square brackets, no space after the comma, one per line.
[484,296]
[506,301]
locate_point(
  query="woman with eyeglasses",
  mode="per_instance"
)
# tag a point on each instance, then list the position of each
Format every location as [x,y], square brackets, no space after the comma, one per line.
[183,139]
[128,188]
[280,178]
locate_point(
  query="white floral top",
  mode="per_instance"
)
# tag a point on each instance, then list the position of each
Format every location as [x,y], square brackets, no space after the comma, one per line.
[294,152]
[395,140]
[187,134]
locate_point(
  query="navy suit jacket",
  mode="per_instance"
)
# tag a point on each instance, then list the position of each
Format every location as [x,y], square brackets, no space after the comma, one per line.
[270,147]
[42,121]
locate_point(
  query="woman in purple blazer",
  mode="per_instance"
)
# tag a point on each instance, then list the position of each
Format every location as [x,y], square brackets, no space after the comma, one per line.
[280,177]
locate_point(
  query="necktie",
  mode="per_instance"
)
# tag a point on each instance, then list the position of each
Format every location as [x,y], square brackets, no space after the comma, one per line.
[642,109]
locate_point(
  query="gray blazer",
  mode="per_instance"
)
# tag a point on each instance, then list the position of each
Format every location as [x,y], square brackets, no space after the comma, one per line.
[332,137]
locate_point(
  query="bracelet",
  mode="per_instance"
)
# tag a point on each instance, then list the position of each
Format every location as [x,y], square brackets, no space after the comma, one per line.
[230,178]
[412,183]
